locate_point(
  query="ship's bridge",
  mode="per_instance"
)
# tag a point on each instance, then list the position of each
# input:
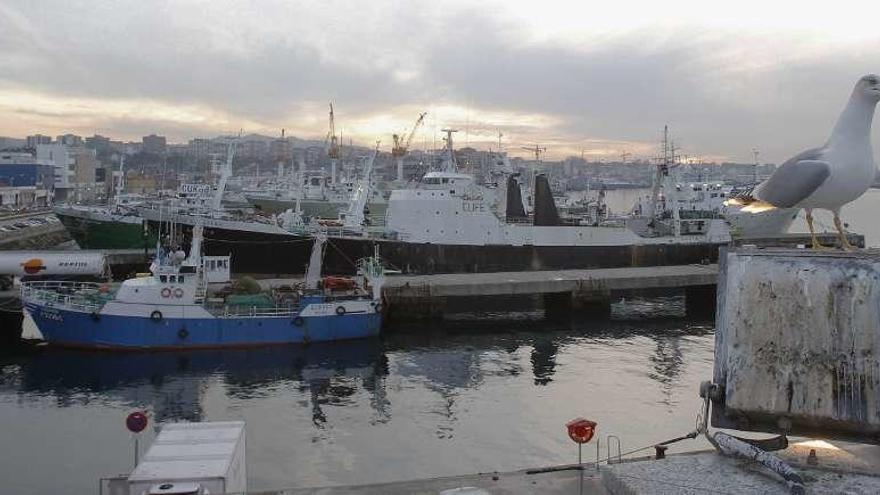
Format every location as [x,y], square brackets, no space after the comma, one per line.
[454,182]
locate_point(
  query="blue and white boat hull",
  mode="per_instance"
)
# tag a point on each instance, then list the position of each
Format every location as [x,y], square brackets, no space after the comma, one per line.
[60,326]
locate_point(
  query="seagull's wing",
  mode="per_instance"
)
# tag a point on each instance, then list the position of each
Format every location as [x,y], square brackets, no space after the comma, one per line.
[795,179]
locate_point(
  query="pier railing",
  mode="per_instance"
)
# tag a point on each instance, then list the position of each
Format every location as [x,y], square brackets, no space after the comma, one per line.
[77,296]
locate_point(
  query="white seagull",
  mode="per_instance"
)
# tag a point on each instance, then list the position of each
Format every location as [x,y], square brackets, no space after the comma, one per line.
[832,175]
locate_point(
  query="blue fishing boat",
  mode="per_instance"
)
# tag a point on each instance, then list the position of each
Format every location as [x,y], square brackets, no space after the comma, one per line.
[171,308]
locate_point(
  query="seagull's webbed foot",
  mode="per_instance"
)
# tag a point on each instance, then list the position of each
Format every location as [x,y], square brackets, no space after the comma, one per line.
[819,246]
[841,234]
[815,240]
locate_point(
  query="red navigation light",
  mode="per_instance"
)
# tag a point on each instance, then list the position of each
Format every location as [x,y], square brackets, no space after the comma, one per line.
[136,422]
[581,430]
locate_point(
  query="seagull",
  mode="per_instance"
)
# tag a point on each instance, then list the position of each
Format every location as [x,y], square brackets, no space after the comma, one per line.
[830,176]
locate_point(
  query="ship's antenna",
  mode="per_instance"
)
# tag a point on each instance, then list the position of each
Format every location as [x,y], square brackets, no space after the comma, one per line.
[755,152]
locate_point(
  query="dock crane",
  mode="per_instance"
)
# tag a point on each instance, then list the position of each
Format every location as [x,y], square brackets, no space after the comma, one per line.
[333,148]
[401,146]
[537,150]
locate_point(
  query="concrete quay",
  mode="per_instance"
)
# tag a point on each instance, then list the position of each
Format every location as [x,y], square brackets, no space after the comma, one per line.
[827,468]
[563,291]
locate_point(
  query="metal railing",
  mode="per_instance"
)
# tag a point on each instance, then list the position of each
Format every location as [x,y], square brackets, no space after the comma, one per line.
[77,296]
[227,311]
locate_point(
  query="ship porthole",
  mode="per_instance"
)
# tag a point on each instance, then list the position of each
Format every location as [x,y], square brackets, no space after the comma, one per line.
[298,321]
[182,334]
[156,315]
[340,310]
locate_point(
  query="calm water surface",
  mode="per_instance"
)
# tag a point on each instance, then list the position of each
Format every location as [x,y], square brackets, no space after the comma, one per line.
[419,402]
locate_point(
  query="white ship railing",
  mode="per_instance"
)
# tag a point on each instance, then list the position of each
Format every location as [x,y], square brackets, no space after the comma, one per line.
[76,296]
[235,311]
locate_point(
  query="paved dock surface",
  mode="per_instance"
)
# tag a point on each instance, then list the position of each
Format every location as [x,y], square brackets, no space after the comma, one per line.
[517,482]
[553,281]
[710,473]
[840,468]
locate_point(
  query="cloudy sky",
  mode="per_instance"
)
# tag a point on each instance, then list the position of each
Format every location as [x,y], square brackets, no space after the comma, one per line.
[571,76]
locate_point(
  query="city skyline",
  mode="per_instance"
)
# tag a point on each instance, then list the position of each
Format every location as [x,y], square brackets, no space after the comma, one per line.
[598,82]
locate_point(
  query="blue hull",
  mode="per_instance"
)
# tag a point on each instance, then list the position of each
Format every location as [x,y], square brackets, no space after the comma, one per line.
[77,329]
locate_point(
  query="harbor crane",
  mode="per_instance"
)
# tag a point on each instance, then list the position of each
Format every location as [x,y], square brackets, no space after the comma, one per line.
[333,148]
[537,150]
[401,146]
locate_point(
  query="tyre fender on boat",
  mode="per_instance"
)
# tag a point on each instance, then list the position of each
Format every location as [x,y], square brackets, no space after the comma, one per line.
[340,310]
[178,293]
[378,307]
[298,321]
[156,316]
[166,292]
[95,316]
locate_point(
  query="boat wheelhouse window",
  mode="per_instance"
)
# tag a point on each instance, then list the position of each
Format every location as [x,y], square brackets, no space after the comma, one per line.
[445,180]
[180,279]
[172,278]
[163,279]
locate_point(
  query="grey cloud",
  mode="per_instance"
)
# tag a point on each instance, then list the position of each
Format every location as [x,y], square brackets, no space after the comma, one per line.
[622,88]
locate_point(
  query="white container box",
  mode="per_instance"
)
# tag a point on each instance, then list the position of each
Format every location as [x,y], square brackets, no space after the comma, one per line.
[210,454]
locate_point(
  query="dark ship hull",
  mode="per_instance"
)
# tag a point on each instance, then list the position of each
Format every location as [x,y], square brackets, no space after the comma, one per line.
[425,258]
[258,253]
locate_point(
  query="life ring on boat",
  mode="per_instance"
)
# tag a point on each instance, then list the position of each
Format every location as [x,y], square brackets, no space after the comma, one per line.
[340,310]
[182,334]
[95,316]
[298,321]
[178,293]
[156,316]
[166,292]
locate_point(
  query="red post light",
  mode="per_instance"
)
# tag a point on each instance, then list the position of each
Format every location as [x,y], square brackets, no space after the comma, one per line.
[136,422]
[581,430]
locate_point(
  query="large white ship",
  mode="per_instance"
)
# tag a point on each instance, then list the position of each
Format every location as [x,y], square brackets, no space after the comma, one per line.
[450,223]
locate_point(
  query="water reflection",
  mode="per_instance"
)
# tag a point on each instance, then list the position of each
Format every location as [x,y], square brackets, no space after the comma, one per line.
[422,393]
[668,361]
[171,384]
[445,363]
[544,360]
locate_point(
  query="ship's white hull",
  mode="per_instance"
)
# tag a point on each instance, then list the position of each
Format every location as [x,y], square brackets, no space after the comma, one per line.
[435,217]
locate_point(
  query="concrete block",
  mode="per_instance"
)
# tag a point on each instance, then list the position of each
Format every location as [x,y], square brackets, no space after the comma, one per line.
[797,342]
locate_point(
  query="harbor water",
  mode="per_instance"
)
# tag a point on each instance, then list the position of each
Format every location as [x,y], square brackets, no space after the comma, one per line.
[489,392]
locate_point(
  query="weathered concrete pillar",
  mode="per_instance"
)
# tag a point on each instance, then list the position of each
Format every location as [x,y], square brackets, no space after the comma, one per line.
[797,343]
[700,300]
